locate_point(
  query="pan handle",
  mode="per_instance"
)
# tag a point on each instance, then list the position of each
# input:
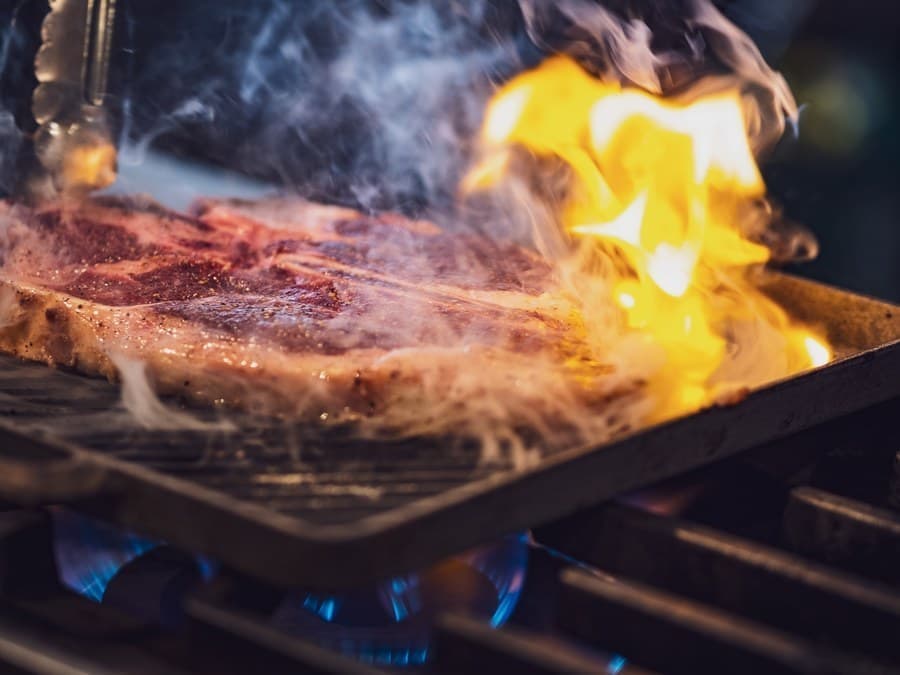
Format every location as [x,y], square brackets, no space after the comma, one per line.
[35,471]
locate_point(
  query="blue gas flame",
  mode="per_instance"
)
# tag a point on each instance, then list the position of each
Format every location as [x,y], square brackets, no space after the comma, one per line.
[90,553]
[397,633]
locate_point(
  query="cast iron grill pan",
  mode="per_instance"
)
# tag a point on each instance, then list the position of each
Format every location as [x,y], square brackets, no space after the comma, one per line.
[299,509]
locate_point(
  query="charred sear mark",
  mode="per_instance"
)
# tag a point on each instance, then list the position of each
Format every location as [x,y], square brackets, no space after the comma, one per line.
[298,324]
[288,284]
[47,221]
[59,344]
[285,246]
[266,281]
[95,242]
[87,241]
[353,227]
[316,292]
[183,280]
[61,348]
[343,252]
[106,289]
[195,244]
[243,255]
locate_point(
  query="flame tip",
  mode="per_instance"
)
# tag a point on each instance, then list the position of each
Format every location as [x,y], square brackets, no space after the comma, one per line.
[819,352]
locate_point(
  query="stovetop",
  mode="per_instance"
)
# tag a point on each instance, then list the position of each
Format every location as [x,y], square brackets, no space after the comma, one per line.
[785,560]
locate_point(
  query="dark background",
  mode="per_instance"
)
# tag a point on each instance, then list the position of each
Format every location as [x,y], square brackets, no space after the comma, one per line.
[839,176]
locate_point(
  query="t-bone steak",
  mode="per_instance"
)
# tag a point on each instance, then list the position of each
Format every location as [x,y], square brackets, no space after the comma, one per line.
[290,308]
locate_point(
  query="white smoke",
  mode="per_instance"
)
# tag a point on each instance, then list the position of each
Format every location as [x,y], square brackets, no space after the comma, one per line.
[377,104]
[698,41]
[366,103]
[10,136]
[147,410]
[381,107]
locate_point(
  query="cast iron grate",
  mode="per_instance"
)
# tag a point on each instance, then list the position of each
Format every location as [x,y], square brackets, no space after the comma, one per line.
[785,561]
[792,577]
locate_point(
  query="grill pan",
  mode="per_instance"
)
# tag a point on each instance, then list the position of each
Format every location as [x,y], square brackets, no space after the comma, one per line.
[334,512]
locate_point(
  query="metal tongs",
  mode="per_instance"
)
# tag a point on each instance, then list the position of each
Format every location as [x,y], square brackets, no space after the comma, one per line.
[74,142]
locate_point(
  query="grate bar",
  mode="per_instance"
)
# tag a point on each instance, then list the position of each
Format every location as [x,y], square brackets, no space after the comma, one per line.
[674,635]
[464,645]
[844,532]
[28,649]
[761,583]
[248,640]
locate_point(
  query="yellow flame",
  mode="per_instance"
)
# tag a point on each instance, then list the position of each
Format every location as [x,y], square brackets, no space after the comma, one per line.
[819,352]
[89,167]
[662,184]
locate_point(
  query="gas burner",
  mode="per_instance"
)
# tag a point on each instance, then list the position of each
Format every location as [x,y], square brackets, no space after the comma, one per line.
[143,577]
[391,623]
[90,553]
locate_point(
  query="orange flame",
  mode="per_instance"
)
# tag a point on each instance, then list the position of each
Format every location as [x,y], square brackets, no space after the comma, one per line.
[659,184]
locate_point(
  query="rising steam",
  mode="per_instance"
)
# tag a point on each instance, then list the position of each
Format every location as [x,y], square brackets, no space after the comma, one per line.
[147,410]
[370,104]
[696,40]
[380,108]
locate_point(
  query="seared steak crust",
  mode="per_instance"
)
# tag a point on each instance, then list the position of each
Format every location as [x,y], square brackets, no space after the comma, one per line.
[281,305]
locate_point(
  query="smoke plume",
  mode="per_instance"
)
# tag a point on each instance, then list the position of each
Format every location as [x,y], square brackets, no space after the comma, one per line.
[378,106]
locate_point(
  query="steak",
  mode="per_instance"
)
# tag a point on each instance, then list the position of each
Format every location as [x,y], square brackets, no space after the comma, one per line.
[289,308]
